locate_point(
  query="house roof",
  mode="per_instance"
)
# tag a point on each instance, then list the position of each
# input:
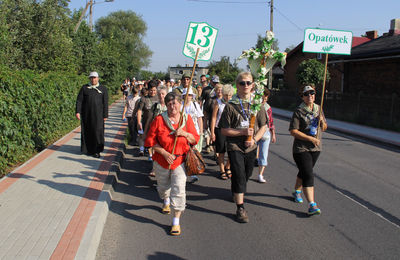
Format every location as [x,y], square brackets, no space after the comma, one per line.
[359,40]
[381,46]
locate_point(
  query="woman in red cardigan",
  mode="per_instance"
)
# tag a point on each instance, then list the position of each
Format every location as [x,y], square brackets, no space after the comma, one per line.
[170,168]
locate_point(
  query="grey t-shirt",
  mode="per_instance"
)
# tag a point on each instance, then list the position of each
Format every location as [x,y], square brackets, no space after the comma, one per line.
[306,121]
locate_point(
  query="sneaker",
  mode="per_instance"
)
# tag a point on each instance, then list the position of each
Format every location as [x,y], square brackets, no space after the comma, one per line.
[297,196]
[313,209]
[150,159]
[166,209]
[241,216]
[261,179]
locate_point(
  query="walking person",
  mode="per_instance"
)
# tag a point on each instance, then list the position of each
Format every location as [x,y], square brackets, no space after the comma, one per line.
[269,136]
[127,114]
[157,109]
[144,113]
[234,124]
[92,111]
[170,168]
[193,109]
[306,146]
[223,95]
[207,95]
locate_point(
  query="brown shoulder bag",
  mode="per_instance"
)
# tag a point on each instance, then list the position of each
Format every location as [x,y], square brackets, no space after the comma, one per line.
[194,162]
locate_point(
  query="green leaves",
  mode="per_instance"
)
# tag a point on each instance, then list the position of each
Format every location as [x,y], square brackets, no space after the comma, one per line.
[328,48]
[311,71]
[35,110]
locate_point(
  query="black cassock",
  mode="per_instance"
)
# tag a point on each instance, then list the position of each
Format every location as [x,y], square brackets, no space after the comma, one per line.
[93,107]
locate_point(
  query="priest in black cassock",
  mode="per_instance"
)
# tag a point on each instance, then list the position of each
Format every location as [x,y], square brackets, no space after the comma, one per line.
[92,110]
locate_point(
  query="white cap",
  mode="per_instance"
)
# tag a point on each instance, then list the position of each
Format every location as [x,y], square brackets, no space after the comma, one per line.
[93,74]
[190,92]
[172,80]
[307,88]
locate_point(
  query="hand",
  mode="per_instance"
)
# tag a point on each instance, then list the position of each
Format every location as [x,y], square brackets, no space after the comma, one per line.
[170,158]
[248,131]
[123,117]
[273,139]
[213,137]
[140,126]
[315,141]
[78,116]
[105,119]
[180,132]
[249,143]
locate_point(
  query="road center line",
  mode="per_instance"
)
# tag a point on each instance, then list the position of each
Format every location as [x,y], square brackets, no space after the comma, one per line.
[379,215]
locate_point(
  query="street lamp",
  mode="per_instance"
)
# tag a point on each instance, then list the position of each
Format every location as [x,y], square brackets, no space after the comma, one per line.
[90,3]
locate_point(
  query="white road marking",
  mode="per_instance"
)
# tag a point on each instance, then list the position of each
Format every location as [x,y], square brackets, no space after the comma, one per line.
[379,215]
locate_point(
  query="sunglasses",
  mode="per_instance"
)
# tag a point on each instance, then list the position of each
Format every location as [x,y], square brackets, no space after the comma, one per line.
[244,83]
[308,93]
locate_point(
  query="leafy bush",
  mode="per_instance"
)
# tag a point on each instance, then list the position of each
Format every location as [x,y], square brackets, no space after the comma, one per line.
[311,71]
[35,110]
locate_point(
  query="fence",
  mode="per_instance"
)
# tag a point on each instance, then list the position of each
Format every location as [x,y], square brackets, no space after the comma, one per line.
[375,111]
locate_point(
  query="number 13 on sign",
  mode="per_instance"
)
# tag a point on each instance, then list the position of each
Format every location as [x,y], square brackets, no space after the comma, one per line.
[200,36]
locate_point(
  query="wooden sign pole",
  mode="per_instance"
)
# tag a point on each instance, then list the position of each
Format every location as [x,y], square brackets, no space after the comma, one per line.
[322,97]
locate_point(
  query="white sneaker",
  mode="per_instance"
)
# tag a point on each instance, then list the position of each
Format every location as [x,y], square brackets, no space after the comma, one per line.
[261,179]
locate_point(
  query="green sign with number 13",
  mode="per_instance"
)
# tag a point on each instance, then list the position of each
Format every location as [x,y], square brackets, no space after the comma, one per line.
[202,36]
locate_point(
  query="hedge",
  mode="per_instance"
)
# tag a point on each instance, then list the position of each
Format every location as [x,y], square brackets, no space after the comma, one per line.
[35,110]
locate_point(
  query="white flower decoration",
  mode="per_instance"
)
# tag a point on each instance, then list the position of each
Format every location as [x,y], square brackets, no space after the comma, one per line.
[270,35]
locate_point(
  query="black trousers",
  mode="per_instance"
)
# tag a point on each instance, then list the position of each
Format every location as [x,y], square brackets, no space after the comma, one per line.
[242,165]
[305,162]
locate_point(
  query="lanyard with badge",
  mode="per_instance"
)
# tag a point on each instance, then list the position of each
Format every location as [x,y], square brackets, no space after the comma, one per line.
[245,123]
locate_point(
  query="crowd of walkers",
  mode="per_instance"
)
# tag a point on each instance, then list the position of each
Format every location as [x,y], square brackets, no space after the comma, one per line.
[216,120]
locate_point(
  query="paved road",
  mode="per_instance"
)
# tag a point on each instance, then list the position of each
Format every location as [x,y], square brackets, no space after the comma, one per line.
[357,188]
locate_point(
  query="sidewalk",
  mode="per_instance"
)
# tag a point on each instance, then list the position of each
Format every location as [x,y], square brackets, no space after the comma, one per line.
[54,206]
[374,134]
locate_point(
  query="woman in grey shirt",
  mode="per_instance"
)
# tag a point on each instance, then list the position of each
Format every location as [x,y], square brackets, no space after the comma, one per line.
[306,145]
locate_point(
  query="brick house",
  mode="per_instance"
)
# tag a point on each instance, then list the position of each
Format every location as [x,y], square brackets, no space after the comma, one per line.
[372,67]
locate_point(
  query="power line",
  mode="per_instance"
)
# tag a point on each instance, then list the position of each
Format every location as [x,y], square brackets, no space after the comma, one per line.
[284,16]
[228,2]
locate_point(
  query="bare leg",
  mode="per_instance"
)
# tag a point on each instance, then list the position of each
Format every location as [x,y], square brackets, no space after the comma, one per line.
[177,213]
[221,162]
[261,170]
[238,198]
[309,193]
[299,184]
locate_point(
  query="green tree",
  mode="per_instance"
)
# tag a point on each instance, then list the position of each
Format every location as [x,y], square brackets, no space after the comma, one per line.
[37,34]
[125,30]
[311,71]
[226,70]
[289,48]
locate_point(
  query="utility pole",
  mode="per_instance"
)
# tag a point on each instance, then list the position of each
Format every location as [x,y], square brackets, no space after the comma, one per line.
[271,28]
[89,4]
[91,16]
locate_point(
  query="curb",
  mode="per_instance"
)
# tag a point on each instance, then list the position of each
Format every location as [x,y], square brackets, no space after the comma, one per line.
[91,239]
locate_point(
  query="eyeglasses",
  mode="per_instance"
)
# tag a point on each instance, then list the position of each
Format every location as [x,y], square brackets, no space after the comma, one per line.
[308,93]
[244,83]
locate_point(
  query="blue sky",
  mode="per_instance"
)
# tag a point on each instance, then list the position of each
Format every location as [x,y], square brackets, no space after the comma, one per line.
[239,23]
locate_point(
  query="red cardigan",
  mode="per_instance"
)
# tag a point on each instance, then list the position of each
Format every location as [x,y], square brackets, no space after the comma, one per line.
[159,133]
